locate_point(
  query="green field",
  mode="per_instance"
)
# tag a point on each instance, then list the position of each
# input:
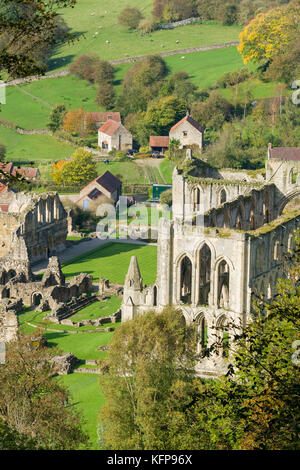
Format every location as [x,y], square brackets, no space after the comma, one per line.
[87,398]
[111,261]
[92,16]
[33,147]
[166,168]
[128,171]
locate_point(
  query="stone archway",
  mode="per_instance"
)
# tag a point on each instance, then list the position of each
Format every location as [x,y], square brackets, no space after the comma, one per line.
[36,299]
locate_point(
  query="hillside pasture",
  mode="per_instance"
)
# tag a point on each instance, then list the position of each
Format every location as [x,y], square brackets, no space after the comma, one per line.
[96,22]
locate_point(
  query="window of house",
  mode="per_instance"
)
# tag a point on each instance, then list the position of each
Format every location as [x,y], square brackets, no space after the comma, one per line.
[184,133]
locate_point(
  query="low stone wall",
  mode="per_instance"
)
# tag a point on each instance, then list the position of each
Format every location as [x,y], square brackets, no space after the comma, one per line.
[179,23]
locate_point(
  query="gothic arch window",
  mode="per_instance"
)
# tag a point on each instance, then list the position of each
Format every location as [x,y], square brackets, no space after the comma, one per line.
[252,220]
[276,253]
[222,196]
[155,296]
[293,176]
[205,274]
[223,285]
[238,220]
[202,332]
[266,208]
[223,333]
[196,198]
[186,280]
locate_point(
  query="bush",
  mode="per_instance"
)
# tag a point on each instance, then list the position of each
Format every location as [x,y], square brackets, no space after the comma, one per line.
[106,96]
[2,152]
[130,17]
[166,197]
[84,67]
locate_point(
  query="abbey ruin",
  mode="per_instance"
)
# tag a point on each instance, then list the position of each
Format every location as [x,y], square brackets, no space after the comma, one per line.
[223,248]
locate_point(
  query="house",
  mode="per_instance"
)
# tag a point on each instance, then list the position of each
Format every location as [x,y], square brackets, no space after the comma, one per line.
[31,174]
[159,144]
[105,186]
[113,135]
[188,132]
[100,118]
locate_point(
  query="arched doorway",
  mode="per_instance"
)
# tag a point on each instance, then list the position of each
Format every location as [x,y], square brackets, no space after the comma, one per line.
[205,274]
[36,299]
[186,280]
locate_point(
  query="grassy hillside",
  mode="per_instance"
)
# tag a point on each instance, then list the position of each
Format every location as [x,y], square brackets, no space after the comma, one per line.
[33,147]
[92,16]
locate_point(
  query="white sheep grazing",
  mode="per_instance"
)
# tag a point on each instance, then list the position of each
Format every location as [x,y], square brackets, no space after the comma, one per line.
[183,57]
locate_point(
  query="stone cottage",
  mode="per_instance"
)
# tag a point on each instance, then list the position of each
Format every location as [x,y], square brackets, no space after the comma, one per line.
[114,136]
[188,132]
[105,186]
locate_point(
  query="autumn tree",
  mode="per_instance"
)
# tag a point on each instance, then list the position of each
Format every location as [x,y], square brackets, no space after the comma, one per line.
[26,28]
[56,117]
[78,122]
[162,114]
[149,381]
[130,17]
[270,34]
[80,170]
[33,404]
[106,96]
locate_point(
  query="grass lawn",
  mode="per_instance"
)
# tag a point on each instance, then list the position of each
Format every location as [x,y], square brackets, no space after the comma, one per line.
[166,168]
[33,147]
[111,261]
[258,88]
[87,398]
[91,16]
[98,309]
[128,172]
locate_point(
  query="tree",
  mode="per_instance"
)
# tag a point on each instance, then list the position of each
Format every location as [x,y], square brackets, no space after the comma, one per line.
[106,96]
[213,112]
[32,403]
[103,73]
[130,17]
[78,122]
[80,170]
[84,66]
[162,114]
[269,34]
[10,439]
[26,27]
[56,117]
[142,83]
[166,197]
[150,375]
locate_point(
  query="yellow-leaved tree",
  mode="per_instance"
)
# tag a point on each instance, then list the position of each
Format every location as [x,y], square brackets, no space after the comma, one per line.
[269,34]
[80,170]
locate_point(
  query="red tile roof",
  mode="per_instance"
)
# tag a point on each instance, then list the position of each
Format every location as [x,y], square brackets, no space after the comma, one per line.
[156,141]
[191,121]
[26,172]
[103,117]
[285,153]
[3,188]
[7,167]
[110,127]
[4,207]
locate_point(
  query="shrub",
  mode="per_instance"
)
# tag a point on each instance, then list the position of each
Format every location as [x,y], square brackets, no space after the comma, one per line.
[130,17]
[166,197]
[84,67]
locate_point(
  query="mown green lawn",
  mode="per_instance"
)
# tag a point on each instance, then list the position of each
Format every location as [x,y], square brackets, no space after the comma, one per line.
[166,168]
[128,172]
[86,397]
[111,261]
[92,16]
[98,309]
[33,147]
